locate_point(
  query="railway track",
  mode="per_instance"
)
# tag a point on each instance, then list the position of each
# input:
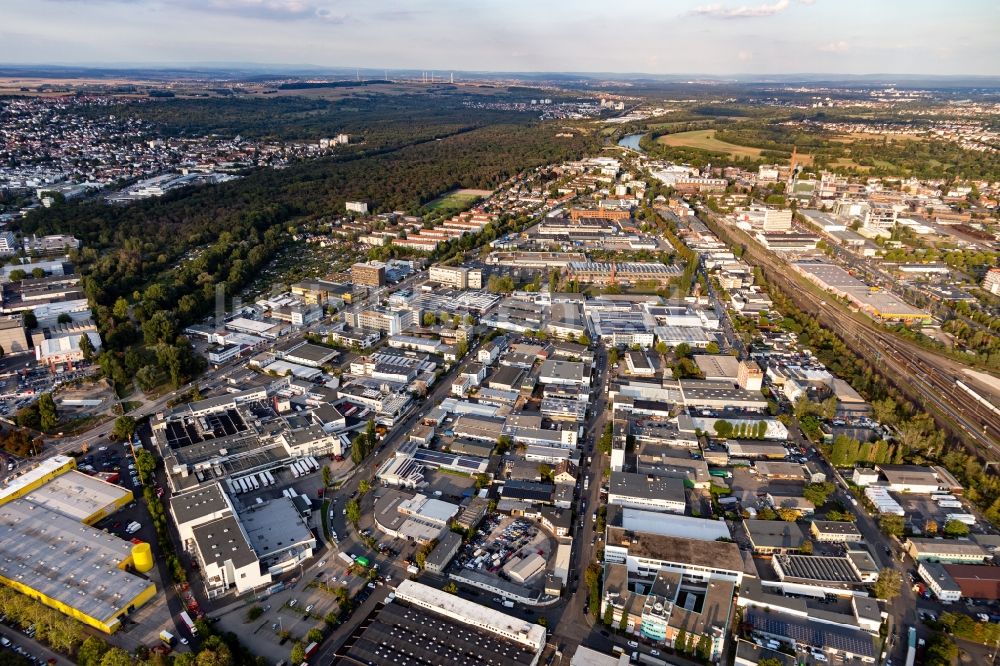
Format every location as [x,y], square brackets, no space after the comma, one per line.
[925,376]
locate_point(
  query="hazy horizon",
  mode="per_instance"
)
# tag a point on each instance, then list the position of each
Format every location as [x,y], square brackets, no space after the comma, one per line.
[680,37]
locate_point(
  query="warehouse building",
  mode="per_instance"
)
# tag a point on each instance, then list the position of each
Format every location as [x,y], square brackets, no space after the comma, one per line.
[975,581]
[524,569]
[910,478]
[940,581]
[49,552]
[436,628]
[924,549]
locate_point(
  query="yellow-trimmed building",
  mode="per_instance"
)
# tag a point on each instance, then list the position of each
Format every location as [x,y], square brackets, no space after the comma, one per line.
[49,551]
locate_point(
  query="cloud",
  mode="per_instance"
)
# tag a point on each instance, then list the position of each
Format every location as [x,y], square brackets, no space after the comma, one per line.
[280,10]
[836,47]
[744,56]
[743,11]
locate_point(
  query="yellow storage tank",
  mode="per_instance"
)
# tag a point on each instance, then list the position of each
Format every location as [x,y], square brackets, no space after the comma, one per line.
[142,557]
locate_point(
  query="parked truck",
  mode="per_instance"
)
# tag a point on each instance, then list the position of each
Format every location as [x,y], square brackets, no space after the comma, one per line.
[345,558]
[186,621]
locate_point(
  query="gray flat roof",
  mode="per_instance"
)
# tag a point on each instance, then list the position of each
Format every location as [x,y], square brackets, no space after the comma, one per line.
[567,370]
[200,502]
[77,495]
[774,533]
[311,352]
[664,488]
[66,560]
[275,526]
[222,540]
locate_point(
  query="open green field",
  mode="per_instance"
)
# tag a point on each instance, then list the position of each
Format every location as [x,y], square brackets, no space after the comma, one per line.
[455,202]
[705,140]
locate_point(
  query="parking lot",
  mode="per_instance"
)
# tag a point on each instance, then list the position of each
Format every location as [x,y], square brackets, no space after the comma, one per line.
[502,539]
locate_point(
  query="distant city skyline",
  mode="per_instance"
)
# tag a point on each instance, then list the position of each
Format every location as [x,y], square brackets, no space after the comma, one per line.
[724,37]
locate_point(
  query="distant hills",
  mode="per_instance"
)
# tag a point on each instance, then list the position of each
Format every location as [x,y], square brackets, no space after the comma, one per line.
[265,72]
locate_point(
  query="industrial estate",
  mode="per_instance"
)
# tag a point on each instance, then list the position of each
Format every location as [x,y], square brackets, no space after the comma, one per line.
[478,369]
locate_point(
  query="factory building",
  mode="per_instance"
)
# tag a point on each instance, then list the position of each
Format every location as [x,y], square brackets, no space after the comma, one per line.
[49,552]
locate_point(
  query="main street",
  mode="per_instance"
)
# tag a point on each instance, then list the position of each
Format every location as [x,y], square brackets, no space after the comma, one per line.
[574,625]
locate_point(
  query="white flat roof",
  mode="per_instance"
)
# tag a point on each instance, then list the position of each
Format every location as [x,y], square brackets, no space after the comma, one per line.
[78,496]
[686,527]
[472,613]
[45,467]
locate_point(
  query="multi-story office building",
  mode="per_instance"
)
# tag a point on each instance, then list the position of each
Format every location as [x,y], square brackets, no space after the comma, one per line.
[371,274]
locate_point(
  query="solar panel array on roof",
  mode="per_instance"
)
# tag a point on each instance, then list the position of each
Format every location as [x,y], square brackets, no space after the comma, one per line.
[441,459]
[821,637]
[399,635]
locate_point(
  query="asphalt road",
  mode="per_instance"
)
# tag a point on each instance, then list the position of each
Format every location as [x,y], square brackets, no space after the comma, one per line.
[575,625]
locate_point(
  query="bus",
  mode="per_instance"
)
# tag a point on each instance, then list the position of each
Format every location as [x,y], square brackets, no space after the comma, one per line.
[186,621]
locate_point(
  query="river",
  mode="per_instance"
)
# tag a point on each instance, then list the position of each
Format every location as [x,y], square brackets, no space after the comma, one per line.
[632,141]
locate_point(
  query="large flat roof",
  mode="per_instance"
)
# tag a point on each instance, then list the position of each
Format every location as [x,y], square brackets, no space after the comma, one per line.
[198,503]
[223,540]
[909,475]
[481,616]
[310,352]
[400,632]
[718,365]
[65,560]
[275,526]
[774,533]
[659,488]
[652,522]
[19,485]
[708,554]
[78,496]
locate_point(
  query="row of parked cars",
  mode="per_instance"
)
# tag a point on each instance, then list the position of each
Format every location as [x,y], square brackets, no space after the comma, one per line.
[8,644]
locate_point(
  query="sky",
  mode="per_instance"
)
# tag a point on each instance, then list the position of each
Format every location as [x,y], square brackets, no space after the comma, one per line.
[717,37]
